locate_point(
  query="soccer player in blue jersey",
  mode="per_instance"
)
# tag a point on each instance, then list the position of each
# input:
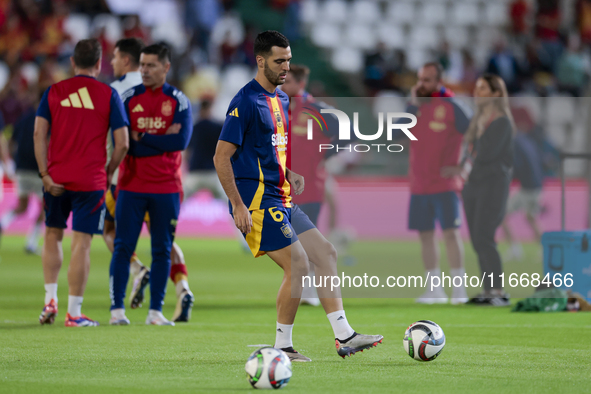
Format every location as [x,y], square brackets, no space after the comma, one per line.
[251,162]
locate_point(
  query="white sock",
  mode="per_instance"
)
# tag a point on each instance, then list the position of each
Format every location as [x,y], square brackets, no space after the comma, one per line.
[135,267]
[283,336]
[180,286]
[432,273]
[50,293]
[340,325]
[33,238]
[118,313]
[7,219]
[75,306]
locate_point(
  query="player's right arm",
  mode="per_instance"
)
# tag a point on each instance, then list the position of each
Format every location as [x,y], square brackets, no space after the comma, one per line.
[238,121]
[223,153]
[42,123]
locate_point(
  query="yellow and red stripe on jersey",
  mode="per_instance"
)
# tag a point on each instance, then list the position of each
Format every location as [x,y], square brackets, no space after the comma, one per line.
[279,123]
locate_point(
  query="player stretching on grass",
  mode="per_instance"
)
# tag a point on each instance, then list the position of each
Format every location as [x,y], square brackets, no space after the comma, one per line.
[150,180]
[126,64]
[250,161]
[79,111]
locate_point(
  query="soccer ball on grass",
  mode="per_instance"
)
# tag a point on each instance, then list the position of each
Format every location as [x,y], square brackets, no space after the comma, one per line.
[268,368]
[424,340]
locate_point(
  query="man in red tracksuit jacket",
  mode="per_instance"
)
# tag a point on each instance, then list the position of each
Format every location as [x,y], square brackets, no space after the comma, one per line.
[441,122]
[150,179]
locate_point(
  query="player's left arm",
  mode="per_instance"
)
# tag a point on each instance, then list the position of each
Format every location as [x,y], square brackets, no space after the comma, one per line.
[178,135]
[296,180]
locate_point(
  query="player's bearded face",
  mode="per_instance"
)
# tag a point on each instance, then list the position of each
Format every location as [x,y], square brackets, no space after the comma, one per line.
[276,65]
[426,88]
[428,82]
[275,77]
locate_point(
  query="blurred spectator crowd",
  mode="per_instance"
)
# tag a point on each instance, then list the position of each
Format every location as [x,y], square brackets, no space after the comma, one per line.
[37,38]
[539,47]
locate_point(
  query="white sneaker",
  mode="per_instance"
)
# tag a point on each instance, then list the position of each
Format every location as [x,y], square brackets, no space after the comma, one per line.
[435,296]
[118,317]
[156,318]
[459,295]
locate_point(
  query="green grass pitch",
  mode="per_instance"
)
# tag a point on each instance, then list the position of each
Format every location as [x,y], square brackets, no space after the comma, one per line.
[487,350]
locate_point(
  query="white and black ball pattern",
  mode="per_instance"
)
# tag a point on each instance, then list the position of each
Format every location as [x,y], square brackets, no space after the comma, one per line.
[268,368]
[424,340]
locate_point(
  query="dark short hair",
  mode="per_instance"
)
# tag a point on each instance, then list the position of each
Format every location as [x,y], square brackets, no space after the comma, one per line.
[87,53]
[267,40]
[131,47]
[438,68]
[159,50]
[299,71]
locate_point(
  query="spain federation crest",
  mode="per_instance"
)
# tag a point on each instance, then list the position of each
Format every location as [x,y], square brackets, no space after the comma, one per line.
[440,112]
[167,108]
[286,229]
[278,118]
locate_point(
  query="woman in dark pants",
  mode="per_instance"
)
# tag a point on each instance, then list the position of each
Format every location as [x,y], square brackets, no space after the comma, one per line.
[485,194]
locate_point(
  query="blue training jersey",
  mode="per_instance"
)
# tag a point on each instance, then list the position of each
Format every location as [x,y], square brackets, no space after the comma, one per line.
[257,122]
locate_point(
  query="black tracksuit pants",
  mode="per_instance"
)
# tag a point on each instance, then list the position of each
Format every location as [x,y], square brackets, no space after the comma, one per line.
[485,202]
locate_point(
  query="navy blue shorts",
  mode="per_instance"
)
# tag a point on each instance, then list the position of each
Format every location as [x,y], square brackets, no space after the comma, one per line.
[88,210]
[300,219]
[426,209]
[312,210]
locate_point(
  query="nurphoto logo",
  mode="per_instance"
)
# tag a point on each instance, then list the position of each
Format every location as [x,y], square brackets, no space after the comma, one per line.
[393,120]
